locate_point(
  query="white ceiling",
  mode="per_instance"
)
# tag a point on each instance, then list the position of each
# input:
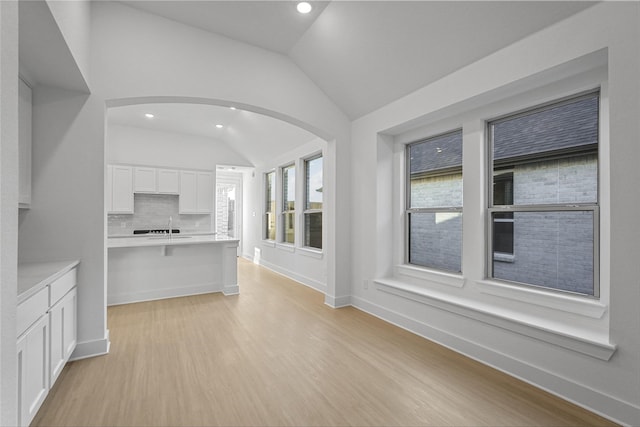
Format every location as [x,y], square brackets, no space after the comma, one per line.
[252,135]
[362,54]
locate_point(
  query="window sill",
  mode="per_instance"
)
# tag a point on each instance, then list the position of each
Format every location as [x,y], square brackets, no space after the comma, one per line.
[504,257]
[270,243]
[558,301]
[496,317]
[439,277]
[287,247]
[312,253]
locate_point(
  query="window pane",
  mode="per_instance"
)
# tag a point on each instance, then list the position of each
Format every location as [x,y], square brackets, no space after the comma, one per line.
[314,183]
[551,154]
[313,230]
[270,199]
[435,172]
[503,232]
[288,188]
[551,249]
[435,240]
[270,226]
[289,228]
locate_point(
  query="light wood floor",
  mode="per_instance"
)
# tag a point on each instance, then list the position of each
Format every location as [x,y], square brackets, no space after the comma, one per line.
[276,355]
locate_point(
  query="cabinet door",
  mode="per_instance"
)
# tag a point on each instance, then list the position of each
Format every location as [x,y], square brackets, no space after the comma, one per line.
[63,333]
[168,181]
[205,192]
[122,190]
[188,200]
[144,180]
[24,144]
[33,362]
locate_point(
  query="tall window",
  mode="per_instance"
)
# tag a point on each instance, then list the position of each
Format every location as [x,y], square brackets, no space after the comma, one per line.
[434,202]
[543,210]
[270,207]
[288,203]
[313,203]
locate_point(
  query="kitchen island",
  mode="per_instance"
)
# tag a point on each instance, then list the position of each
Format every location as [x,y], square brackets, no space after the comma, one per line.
[155,267]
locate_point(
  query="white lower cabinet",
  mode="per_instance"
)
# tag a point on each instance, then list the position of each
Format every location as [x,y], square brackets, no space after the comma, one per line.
[47,335]
[63,332]
[33,369]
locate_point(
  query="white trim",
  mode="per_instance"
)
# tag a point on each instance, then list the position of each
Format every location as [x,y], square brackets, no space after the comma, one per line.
[269,243]
[312,253]
[287,247]
[337,302]
[304,280]
[576,393]
[559,301]
[459,306]
[439,277]
[231,290]
[91,348]
[156,294]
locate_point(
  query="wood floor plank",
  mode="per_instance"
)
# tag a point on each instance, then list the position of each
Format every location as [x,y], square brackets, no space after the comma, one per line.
[276,355]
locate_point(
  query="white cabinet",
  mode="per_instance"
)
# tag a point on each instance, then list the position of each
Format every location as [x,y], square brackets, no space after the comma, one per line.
[62,316]
[155,181]
[205,192]
[168,181]
[24,144]
[46,328]
[144,180]
[119,189]
[33,369]
[188,201]
[196,192]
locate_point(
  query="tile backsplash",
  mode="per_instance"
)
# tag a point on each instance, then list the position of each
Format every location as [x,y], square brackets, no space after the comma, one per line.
[152,211]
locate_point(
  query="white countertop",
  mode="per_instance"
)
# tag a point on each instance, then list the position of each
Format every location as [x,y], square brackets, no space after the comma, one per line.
[33,276]
[162,240]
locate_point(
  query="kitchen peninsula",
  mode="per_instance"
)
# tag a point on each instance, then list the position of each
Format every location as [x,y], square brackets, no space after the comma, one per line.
[144,268]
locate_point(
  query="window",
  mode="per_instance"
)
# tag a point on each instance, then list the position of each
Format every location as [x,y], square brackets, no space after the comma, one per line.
[270,207]
[313,202]
[543,210]
[288,203]
[434,202]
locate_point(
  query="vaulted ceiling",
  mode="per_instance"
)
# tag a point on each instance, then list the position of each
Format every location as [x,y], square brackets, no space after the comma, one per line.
[366,54]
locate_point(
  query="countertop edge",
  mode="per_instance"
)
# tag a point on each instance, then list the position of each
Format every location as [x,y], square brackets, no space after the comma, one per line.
[136,242]
[58,272]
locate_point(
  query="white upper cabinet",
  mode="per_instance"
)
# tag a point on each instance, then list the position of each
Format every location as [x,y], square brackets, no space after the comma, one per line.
[144,180]
[24,144]
[120,189]
[168,181]
[196,192]
[188,203]
[205,192]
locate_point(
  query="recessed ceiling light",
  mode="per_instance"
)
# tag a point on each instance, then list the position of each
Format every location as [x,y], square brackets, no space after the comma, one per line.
[304,7]
[219,126]
[148,115]
[232,108]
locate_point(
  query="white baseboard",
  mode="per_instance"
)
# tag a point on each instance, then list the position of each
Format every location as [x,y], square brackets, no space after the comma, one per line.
[607,406]
[337,302]
[91,348]
[307,281]
[156,294]
[231,290]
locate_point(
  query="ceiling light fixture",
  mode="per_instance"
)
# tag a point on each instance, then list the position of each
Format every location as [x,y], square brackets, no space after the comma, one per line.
[304,7]
[219,126]
[232,108]
[148,115]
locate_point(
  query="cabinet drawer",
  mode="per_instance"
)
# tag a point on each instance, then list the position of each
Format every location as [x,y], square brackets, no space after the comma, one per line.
[60,287]
[31,310]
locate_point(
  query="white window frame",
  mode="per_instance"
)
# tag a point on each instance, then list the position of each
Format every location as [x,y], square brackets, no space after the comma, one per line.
[306,210]
[560,207]
[283,208]
[267,203]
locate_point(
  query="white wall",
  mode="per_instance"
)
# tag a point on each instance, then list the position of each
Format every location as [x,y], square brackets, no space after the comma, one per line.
[610,387]
[134,145]
[8,210]
[303,265]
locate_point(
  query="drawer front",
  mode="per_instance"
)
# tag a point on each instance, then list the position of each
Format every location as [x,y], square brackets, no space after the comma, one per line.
[60,287]
[32,309]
